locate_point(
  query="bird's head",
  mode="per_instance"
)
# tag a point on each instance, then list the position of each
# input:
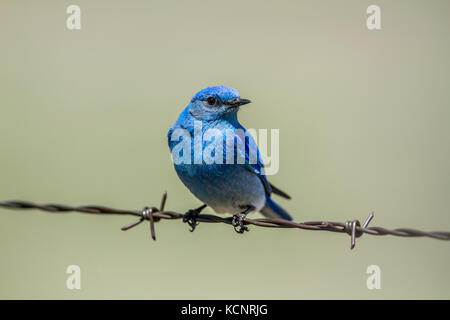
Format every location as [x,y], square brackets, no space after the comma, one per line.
[213,103]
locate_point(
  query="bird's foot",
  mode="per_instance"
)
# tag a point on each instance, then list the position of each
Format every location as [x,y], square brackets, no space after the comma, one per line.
[238,220]
[238,223]
[191,216]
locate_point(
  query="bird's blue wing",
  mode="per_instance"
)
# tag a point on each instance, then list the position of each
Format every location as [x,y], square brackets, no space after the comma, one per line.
[258,167]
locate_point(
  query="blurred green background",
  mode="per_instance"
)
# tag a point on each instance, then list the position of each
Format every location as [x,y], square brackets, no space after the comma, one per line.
[363,118]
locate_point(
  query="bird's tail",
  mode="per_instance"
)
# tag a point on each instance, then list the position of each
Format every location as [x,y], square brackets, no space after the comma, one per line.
[274,210]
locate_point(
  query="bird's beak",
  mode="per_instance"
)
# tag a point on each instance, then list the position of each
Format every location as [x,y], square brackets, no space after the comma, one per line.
[237,102]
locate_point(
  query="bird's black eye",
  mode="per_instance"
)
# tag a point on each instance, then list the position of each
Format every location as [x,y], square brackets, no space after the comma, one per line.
[211,101]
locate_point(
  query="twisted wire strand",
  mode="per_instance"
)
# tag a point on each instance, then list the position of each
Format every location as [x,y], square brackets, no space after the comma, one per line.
[154,214]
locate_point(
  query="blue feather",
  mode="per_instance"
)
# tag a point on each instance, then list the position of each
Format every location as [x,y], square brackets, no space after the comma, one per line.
[274,210]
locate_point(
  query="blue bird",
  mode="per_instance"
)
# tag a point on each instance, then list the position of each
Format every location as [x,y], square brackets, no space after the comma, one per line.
[238,187]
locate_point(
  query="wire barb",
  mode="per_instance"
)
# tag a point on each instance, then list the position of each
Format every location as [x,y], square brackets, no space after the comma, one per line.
[353,228]
[153,215]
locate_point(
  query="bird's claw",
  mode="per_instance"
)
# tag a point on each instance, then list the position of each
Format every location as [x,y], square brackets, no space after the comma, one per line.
[238,223]
[190,218]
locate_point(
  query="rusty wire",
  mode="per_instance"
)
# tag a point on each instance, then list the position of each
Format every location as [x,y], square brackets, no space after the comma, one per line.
[154,214]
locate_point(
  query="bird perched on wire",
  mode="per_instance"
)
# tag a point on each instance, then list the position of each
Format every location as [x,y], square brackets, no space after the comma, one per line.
[221,181]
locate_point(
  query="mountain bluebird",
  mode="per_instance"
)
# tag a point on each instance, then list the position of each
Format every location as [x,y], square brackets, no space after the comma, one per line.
[226,184]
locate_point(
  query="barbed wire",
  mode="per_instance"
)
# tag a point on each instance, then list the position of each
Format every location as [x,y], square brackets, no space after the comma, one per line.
[154,214]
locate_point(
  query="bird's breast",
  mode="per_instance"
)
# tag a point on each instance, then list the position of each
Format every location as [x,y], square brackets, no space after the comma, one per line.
[225,188]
